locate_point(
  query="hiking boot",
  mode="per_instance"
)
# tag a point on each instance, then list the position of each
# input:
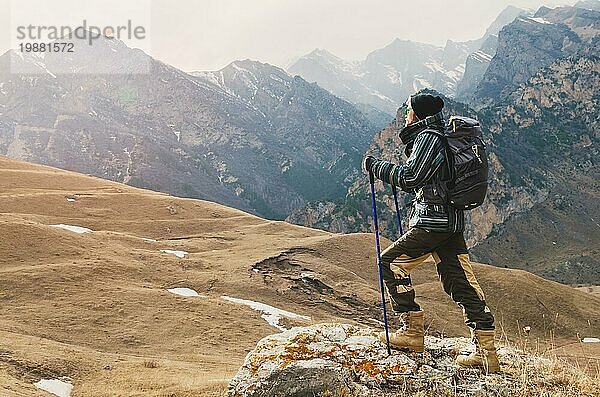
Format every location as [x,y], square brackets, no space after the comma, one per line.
[484,356]
[411,336]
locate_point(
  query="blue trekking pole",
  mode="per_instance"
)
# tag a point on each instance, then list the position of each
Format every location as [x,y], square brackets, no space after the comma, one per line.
[375,223]
[395,191]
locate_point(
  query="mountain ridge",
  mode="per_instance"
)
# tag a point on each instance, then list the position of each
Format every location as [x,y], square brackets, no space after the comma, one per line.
[387,75]
[174,132]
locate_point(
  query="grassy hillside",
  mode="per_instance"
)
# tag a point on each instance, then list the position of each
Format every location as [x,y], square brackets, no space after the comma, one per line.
[95,307]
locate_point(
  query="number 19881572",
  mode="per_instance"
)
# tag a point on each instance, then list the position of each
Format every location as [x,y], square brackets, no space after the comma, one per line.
[47,47]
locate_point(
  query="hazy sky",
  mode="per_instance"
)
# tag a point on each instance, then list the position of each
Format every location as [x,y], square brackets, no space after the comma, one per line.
[277,31]
[208,34]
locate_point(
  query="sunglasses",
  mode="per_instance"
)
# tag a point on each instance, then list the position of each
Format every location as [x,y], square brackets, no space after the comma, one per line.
[406,108]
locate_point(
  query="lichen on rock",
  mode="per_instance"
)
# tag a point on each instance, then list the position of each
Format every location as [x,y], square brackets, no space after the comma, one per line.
[344,360]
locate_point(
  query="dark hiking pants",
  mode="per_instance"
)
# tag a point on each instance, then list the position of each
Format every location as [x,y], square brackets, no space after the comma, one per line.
[449,251]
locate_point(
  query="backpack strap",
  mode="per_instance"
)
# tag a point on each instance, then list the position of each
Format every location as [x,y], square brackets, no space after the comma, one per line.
[448,152]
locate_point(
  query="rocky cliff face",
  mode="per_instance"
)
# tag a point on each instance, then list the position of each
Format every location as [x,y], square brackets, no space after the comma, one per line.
[478,62]
[475,67]
[546,135]
[241,140]
[530,43]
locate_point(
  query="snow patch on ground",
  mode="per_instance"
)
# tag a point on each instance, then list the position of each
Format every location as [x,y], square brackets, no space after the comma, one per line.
[179,254]
[435,66]
[272,315]
[55,386]
[185,292]
[127,176]
[380,96]
[210,76]
[71,228]
[456,74]
[591,340]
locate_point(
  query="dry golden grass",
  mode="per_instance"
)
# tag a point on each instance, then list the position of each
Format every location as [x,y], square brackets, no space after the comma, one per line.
[592,289]
[94,307]
[556,378]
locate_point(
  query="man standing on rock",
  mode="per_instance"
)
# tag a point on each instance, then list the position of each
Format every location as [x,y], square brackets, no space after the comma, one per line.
[435,229]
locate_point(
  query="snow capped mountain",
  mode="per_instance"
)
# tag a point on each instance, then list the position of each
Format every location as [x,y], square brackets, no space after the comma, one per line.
[386,77]
[318,126]
[403,67]
[344,79]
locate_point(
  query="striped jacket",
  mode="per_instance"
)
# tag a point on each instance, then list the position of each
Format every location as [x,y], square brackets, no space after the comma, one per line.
[426,163]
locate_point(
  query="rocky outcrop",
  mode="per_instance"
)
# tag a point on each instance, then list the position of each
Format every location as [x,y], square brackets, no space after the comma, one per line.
[475,67]
[345,360]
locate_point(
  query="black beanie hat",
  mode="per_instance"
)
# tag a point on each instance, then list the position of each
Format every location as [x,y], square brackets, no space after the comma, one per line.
[426,105]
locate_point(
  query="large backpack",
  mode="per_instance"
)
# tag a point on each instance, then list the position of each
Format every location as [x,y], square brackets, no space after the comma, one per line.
[468,163]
